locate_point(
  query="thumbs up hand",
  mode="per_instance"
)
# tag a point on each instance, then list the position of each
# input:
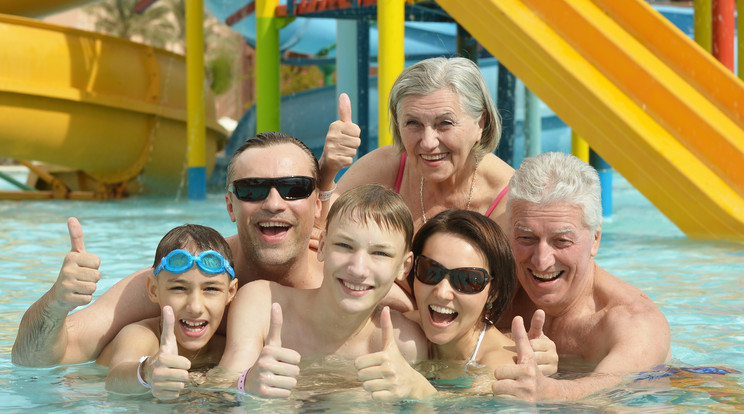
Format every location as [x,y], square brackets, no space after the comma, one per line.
[167,372]
[275,373]
[546,354]
[342,141]
[386,374]
[79,274]
[524,379]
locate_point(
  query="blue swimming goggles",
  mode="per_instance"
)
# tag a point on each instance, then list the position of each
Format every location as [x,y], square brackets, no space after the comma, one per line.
[210,261]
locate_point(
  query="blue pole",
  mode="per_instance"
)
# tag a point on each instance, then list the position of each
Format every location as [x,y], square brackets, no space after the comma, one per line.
[605,180]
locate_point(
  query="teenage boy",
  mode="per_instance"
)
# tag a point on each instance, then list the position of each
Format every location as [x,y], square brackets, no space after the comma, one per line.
[365,248]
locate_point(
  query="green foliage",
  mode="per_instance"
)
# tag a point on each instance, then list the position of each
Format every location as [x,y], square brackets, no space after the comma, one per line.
[299,78]
[163,25]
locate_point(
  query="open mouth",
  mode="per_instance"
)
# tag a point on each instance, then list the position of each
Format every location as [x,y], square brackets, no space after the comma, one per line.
[435,157]
[273,228]
[354,289]
[546,277]
[440,315]
[193,327]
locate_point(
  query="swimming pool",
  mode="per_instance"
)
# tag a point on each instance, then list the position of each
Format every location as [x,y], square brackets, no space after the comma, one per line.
[698,286]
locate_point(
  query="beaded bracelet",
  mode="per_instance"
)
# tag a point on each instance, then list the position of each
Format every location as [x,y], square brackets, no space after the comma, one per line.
[139,376]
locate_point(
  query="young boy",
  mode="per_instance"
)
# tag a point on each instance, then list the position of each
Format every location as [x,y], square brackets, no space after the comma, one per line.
[365,247]
[193,280]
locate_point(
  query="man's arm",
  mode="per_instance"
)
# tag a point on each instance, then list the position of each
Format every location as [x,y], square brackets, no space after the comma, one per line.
[48,336]
[42,337]
[636,340]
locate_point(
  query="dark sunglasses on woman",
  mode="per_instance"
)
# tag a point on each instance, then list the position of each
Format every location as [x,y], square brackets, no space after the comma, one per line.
[463,279]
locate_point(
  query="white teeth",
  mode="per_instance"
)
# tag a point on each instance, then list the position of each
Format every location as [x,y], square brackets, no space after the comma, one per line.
[440,309]
[355,287]
[546,276]
[433,157]
[273,224]
[193,326]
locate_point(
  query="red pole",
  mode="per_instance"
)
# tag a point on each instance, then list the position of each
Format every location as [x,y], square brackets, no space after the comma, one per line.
[723,32]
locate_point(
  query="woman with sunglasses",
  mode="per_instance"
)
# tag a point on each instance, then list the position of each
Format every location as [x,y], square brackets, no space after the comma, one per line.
[462,280]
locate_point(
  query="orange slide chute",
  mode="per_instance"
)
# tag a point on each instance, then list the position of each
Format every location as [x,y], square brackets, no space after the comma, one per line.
[660,110]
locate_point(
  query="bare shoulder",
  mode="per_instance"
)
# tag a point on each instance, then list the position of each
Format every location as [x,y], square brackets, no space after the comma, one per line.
[628,309]
[411,339]
[378,166]
[495,171]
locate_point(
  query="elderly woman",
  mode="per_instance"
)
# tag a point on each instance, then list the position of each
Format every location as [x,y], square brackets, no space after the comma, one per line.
[445,128]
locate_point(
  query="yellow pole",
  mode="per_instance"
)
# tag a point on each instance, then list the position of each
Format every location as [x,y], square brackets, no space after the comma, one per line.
[195,122]
[579,147]
[268,104]
[703,23]
[390,60]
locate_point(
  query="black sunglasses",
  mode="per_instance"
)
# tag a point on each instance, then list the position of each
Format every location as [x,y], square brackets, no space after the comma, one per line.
[257,189]
[463,279]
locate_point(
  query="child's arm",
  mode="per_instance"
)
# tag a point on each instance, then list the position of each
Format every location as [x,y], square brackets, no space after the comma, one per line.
[387,374]
[130,344]
[165,372]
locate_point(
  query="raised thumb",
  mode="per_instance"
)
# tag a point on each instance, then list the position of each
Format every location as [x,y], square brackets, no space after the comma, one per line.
[344,108]
[275,327]
[168,342]
[524,350]
[386,325]
[536,324]
[76,235]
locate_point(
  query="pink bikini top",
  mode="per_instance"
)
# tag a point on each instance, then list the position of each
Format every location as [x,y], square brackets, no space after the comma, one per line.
[399,180]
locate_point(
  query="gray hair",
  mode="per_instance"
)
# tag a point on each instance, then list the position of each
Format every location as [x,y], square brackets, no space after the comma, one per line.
[463,77]
[556,177]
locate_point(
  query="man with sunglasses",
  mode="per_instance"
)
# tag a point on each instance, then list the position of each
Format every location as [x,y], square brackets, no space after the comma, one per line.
[595,319]
[272,198]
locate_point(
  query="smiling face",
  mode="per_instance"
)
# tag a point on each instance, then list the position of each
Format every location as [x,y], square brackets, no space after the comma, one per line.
[450,318]
[554,252]
[198,300]
[361,261]
[273,231]
[437,135]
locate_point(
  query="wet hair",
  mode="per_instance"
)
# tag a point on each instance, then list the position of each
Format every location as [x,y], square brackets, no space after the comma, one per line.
[269,139]
[556,177]
[374,203]
[462,77]
[487,237]
[201,238]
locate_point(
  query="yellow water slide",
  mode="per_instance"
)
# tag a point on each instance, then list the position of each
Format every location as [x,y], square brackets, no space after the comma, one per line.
[652,103]
[110,109]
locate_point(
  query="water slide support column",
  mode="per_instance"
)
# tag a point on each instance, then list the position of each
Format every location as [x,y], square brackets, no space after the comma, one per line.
[268,109]
[391,28]
[723,32]
[195,123]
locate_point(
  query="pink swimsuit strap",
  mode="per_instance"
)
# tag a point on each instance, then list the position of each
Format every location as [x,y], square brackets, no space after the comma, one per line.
[401,168]
[496,202]
[399,181]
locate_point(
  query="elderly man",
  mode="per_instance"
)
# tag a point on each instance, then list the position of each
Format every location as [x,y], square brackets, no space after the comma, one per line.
[595,319]
[273,199]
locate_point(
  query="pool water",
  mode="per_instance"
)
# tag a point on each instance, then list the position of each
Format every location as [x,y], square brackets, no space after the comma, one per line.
[697,285]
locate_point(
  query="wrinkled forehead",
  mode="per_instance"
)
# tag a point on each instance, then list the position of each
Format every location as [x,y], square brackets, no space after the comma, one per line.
[563,216]
[282,160]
